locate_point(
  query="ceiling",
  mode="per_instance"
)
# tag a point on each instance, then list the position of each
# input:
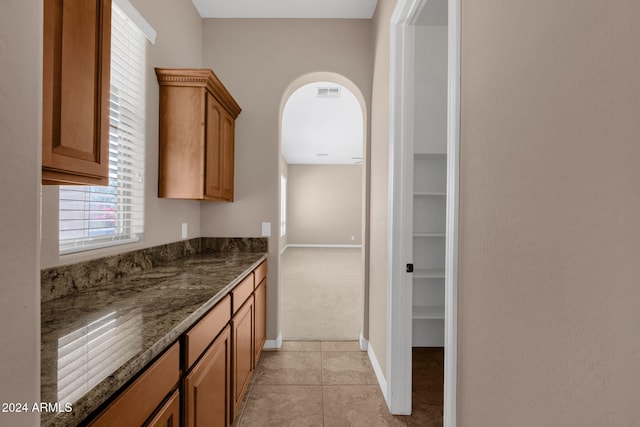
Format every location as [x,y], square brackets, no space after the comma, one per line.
[362,9]
[322,130]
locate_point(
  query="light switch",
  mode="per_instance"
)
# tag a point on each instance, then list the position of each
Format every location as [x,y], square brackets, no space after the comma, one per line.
[184,230]
[266,229]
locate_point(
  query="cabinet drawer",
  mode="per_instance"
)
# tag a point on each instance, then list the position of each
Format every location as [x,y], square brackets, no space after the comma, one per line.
[203,333]
[261,273]
[142,397]
[241,292]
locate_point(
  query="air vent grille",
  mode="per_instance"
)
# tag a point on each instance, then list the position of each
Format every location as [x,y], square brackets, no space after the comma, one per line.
[328,92]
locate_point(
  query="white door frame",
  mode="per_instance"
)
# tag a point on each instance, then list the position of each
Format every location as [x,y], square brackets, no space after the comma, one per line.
[401,172]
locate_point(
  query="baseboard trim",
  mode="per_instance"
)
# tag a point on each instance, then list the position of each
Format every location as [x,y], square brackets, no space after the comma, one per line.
[364,344]
[273,344]
[382,382]
[304,245]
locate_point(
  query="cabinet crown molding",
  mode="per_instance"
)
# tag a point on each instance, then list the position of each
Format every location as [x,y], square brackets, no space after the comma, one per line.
[199,77]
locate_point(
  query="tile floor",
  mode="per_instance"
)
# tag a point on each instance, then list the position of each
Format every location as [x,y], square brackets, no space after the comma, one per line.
[332,384]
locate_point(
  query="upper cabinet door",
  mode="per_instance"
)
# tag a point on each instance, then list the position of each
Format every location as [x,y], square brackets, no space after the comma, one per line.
[76,71]
[219,152]
[213,156]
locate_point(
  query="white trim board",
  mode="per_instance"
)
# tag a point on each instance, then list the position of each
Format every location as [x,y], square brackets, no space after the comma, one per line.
[376,368]
[312,245]
[273,344]
[398,385]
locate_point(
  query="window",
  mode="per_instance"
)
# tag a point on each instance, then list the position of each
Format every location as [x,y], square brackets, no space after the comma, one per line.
[95,217]
[283,205]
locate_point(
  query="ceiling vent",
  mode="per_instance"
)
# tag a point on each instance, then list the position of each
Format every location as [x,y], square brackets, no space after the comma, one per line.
[328,92]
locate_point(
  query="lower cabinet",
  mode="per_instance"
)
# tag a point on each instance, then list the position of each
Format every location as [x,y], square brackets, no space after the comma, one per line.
[169,414]
[140,400]
[260,320]
[208,387]
[219,354]
[242,337]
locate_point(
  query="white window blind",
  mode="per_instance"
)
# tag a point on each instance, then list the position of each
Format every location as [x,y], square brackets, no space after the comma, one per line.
[90,216]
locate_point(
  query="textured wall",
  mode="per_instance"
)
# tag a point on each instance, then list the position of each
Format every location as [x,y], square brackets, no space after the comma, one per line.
[550,201]
[324,204]
[379,210]
[20,139]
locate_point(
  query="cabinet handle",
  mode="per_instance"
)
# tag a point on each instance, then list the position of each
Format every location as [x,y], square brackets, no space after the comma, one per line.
[409,268]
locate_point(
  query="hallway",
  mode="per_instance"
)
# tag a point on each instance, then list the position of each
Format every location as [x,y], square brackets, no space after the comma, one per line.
[332,384]
[322,295]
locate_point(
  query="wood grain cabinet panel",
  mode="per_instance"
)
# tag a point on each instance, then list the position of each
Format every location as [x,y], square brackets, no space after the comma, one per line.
[169,414]
[260,319]
[198,338]
[141,398]
[208,387]
[242,292]
[75,89]
[242,350]
[197,128]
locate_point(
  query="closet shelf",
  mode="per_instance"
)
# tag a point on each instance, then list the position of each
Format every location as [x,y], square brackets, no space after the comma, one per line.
[428,234]
[429,194]
[428,273]
[430,312]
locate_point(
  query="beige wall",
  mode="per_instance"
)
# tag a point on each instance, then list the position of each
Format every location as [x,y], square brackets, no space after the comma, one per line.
[379,210]
[20,139]
[324,205]
[549,208]
[178,44]
[257,60]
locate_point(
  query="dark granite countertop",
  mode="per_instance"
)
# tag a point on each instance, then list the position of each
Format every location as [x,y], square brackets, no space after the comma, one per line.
[97,339]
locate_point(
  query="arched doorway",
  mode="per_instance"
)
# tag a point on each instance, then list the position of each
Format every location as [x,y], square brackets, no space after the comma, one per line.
[323,182]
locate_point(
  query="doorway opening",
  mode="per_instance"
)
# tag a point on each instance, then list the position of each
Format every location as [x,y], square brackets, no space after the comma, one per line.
[425,70]
[323,205]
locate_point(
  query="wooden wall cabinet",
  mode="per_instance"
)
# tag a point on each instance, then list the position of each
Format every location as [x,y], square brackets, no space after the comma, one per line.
[75,92]
[197,128]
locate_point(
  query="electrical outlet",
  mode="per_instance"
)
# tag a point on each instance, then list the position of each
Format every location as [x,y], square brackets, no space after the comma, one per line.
[184,230]
[266,229]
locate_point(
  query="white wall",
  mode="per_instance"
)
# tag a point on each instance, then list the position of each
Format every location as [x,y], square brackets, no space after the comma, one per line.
[179,44]
[324,204]
[20,140]
[431,89]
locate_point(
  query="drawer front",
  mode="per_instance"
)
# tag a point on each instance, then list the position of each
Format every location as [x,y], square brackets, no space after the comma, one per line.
[261,273]
[202,334]
[241,292]
[142,397]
